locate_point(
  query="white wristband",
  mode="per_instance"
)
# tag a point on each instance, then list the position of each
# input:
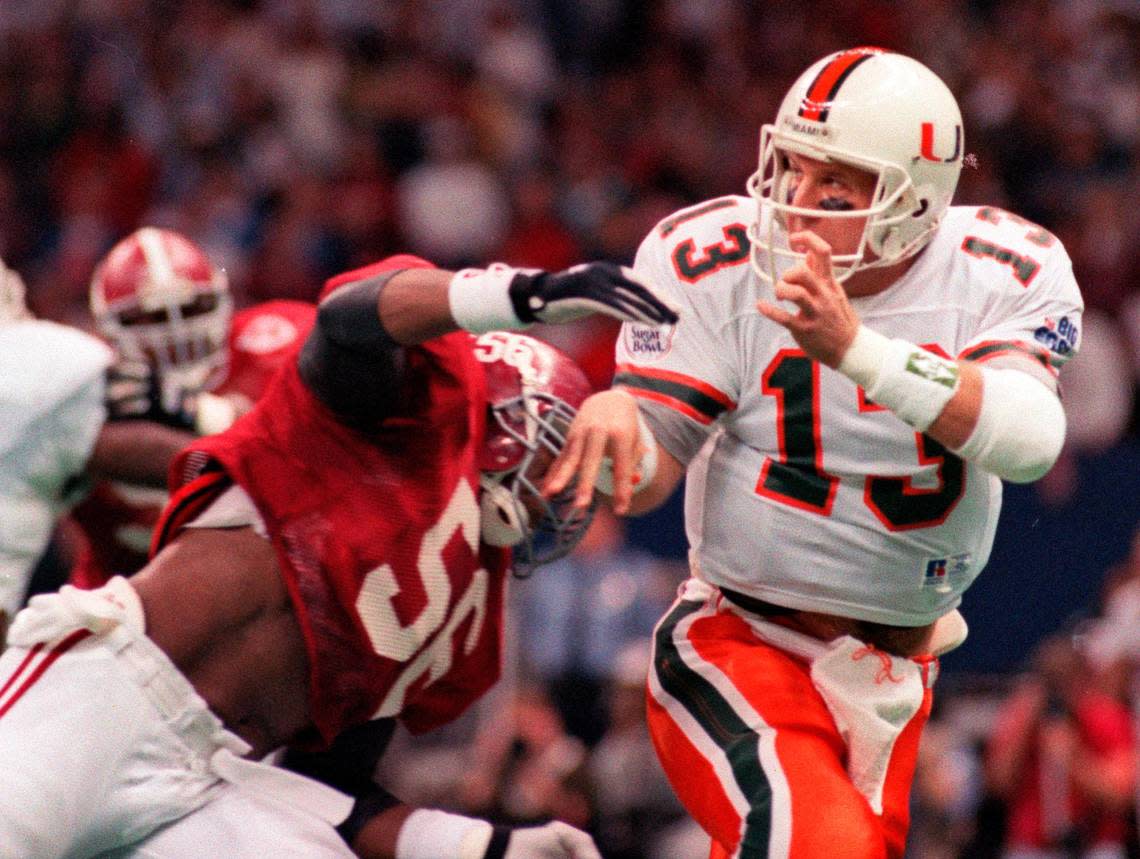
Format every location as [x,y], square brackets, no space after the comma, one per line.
[912,382]
[431,834]
[480,300]
[646,466]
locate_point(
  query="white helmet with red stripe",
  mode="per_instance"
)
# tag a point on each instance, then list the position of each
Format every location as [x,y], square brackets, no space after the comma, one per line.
[157,297]
[881,112]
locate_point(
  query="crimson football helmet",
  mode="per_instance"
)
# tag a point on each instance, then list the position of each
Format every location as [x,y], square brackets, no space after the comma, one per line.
[881,112]
[157,297]
[534,391]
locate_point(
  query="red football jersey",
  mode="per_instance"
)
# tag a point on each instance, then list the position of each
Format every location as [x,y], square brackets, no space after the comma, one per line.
[117,519]
[377,535]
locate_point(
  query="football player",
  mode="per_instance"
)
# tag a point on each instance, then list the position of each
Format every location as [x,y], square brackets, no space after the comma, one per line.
[53,434]
[333,561]
[857,367]
[184,360]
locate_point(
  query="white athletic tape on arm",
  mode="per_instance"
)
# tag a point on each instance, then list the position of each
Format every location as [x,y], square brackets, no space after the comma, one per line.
[480,300]
[646,466]
[912,382]
[431,834]
[1020,429]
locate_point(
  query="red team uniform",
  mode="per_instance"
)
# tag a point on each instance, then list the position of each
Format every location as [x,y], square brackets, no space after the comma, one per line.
[372,493]
[117,519]
[401,612]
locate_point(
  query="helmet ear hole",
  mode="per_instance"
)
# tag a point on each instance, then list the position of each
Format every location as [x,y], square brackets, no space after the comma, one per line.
[923,205]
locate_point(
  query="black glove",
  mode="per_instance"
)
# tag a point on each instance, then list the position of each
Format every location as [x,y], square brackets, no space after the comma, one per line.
[593,287]
[135,392]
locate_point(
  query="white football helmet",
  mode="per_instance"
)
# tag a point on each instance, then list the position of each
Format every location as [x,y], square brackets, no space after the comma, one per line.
[12,306]
[881,112]
[157,297]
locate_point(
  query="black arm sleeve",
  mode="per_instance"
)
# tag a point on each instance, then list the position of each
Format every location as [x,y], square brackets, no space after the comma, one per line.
[348,765]
[349,361]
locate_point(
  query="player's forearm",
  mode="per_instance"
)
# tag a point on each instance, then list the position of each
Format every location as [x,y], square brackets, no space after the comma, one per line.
[668,474]
[137,452]
[960,415]
[1005,420]
[414,306]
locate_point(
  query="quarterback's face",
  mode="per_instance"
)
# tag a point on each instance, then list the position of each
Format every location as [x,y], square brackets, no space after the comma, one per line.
[829,187]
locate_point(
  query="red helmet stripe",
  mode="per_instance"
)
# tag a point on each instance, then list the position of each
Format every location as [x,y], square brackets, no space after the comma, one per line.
[826,85]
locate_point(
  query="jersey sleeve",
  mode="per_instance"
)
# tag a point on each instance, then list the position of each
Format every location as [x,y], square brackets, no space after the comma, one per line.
[678,373]
[1037,315]
[43,365]
[39,478]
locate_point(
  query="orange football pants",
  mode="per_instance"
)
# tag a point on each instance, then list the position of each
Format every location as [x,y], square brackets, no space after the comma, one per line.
[753,752]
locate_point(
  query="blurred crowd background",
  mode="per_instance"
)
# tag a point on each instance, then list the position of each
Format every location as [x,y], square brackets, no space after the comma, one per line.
[294,139]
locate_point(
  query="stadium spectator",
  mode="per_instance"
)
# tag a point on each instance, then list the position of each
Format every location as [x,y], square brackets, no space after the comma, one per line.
[524,766]
[633,800]
[1062,757]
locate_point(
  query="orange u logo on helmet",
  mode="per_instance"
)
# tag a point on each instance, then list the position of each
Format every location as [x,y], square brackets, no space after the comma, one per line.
[926,148]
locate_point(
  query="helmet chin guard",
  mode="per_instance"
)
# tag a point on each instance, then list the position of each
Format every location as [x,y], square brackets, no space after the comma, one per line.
[534,391]
[882,113]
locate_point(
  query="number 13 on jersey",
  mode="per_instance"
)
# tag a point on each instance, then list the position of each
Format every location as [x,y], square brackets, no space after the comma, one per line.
[798,478]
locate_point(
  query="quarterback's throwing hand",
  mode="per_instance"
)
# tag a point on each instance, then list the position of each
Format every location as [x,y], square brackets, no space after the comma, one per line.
[826,322]
[594,287]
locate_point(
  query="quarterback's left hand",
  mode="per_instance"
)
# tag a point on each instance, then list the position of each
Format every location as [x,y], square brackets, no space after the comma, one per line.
[826,322]
[593,287]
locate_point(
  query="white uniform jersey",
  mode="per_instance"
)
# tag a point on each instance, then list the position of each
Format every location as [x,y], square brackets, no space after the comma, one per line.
[51,410]
[804,493]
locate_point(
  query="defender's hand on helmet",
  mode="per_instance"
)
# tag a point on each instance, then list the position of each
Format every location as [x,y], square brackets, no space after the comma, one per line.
[595,287]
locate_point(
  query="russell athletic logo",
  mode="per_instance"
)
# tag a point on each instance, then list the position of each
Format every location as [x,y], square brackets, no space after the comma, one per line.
[940,571]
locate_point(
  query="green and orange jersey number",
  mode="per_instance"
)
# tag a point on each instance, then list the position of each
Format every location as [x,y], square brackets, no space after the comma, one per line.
[798,478]
[1034,232]
[1024,267]
[691,265]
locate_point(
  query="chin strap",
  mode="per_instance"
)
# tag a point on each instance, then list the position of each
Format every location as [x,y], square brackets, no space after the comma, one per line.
[503,522]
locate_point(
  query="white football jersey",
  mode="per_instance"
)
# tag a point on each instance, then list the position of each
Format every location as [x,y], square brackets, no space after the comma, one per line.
[51,411]
[803,492]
